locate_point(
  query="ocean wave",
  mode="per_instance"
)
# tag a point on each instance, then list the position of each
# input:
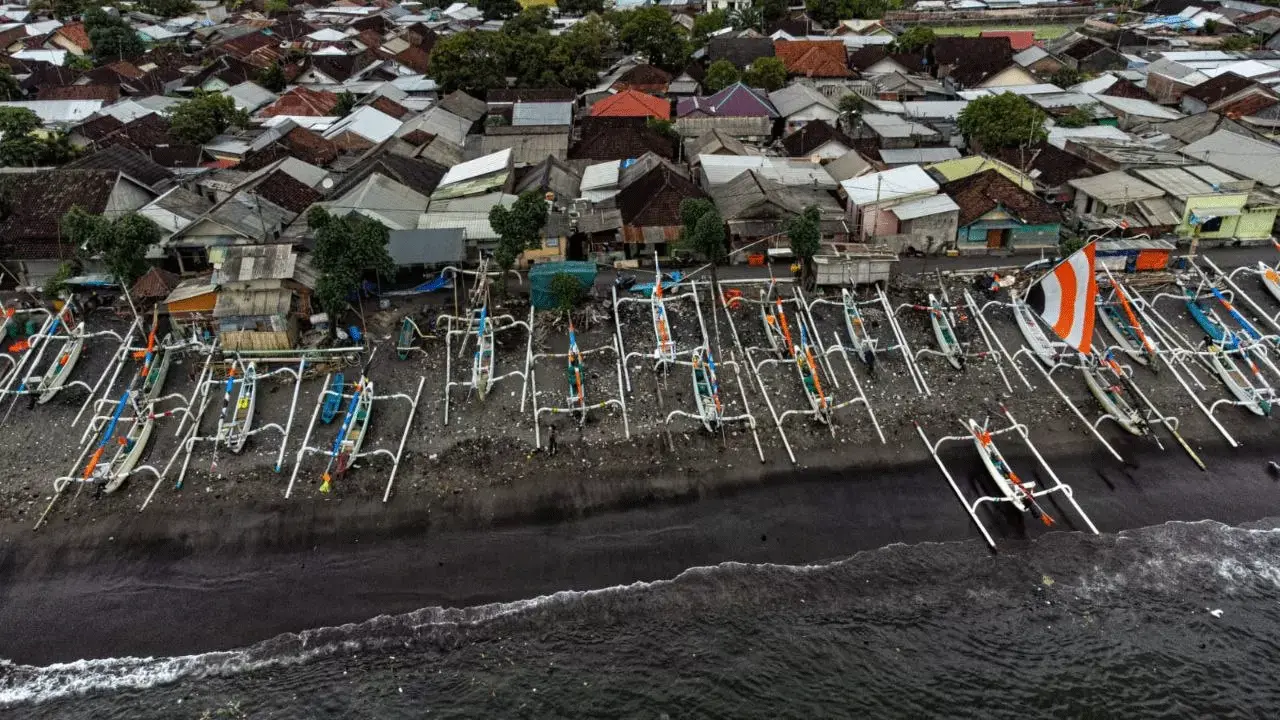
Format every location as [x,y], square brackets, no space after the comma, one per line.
[1162,558]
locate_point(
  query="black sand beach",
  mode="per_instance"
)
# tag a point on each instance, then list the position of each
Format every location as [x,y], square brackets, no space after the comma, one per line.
[476,517]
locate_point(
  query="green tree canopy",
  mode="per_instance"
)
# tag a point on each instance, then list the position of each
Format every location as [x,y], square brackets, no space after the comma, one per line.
[914,39]
[650,32]
[566,289]
[122,243]
[774,10]
[111,37]
[1004,120]
[707,23]
[276,6]
[166,8]
[272,77]
[1066,77]
[9,87]
[469,61]
[748,18]
[346,103]
[475,61]
[721,74]
[519,227]
[805,232]
[830,12]
[529,21]
[702,231]
[21,146]
[1076,117]
[769,73]
[498,9]
[346,248]
[580,7]
[204,117]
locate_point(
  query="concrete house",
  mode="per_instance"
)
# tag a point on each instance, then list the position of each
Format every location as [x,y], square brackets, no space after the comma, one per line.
[996,213]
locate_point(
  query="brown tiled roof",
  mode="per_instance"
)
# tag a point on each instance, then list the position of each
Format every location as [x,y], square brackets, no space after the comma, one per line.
[303,101]
[124,68]
[128,161]
[865,57]
[284,190]
[813,58]
[376,23]
[645,78]
[983,192]
[177,156]
[370,38]
[37,202]
[739,51]
[98,128]
[291,26]
[76,33]
[515,95]
[1052,166]
[1126,89]
[1251,104]
[390,107]
[654,198]
[414,58]
[157,283]
[241,47]
[146,132]
[1083,49]
[255,161]
[341,67]
[108,93]
[972,59]
[46,74]
[12,35]
[1214,89]
[464,105]
[620,140]
[310,147]
[811,136]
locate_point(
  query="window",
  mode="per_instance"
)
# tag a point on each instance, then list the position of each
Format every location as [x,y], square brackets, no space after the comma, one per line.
[1211,225]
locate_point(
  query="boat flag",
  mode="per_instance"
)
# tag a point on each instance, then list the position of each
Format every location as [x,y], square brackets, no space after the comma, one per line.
[1064,298]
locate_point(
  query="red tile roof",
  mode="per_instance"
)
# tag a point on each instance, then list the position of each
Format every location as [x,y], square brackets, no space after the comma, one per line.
[414,58]
[108,93]
[302,101]
[630,103]
[1019,40]
[813,58]
[241,47]
[284,190]
[124,68]
[76,33]
[390,107]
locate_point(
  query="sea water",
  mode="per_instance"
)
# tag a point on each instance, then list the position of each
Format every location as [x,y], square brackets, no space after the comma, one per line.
[1180,620]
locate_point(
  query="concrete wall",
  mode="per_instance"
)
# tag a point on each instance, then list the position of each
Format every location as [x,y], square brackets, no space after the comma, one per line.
[931,231]
[1217,200]
[1018,235]
[1256,224]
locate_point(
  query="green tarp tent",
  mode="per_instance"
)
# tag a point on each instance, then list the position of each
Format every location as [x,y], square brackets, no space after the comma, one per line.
[540,280]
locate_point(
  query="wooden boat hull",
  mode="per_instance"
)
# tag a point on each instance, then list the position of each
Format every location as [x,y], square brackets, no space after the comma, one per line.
[1115,325]
[704,394]
[128,457]
[1112,404]
[1237,382]
[58,373]
[1270,279]
[351,444]
[242,415]
[153,386]
[855,325]
[482,366]
[1034,335]
[406,337]
[944,334]
[993,460]
[1208,324]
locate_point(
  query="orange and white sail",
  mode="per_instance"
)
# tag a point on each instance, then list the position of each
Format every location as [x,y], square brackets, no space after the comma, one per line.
[1064,298]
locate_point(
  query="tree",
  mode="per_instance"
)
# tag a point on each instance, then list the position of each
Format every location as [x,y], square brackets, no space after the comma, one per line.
[1004,120]
[580,7]
[469,61]
[111,37]
[566,289]
[519,228]
[166,8]
[721,74]
[805,233]
[346,103]
[769,73]
[531,20]
[580,51]
[276,6]
[773,10]
[830,12]
[650,32]
[1237,42]
[204,117]
[702,232]
[913,39]
[122,243]
[21,147]
[1065,77]
[747,18]
[498,9]
[272,77]
[665,128]
[346,248]
[707,23]
[9,87]
[1076,117]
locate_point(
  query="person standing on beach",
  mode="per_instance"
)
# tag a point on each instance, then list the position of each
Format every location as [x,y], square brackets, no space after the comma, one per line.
[551,441]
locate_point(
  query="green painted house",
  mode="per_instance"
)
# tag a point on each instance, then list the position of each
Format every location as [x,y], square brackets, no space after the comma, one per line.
[1213,204]
[996,213]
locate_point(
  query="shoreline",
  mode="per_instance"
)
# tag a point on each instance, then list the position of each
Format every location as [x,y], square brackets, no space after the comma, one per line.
[173,585]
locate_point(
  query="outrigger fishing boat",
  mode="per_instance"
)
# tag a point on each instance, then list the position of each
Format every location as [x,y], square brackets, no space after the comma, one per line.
[774,319]
[706,389]
[1120,330]
[945,333]
[1270,279]
[130,452]
[156,373]
[408,331]
[1017,492]
[1107,387]
[236,432]
[1035,336]
[666,349]
[1209,323]
[333,400]
[575,374]
[810,377]
[357,428]
[863,345]
[56,376]
[1237,382]
[482,360]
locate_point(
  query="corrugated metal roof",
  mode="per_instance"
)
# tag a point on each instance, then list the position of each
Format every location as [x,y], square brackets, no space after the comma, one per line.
[367,122]
[542,113]
[474,225]
[794,98]
[911,156]
[894,126]
[1116,187]
[1238,154]
[600,175]
[720,169]
[1135,106]
[889,185]
[427,246]
[932,205]
[59,112]
[481,166]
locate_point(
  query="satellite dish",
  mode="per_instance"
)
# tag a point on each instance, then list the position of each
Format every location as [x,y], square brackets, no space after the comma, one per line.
[327,183]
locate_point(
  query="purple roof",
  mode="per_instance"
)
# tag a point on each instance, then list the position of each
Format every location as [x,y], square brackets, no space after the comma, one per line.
[737,100]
